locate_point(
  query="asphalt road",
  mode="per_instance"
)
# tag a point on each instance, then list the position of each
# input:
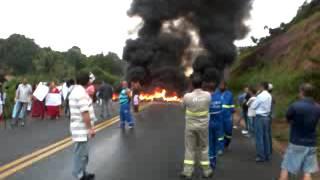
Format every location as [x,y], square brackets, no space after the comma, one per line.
[20,141]
[154,150]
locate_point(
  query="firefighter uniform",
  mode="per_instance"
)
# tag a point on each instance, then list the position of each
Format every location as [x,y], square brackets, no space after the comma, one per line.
[196,133]
[216,132]
[227,112]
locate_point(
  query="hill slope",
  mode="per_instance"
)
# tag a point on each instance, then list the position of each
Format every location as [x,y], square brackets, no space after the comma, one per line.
[286,59]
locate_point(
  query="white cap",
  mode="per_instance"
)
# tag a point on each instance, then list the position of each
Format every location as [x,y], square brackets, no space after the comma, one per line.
[92,77]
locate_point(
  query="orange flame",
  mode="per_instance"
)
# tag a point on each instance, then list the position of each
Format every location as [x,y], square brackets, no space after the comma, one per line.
[115,97]
[159,94]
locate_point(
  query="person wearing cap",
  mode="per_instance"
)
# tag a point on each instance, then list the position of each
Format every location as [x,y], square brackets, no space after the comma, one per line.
[91,90]
[196,105]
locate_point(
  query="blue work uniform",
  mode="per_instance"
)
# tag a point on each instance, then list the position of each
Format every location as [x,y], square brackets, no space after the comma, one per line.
[227,113]
[125,113]
[216,132]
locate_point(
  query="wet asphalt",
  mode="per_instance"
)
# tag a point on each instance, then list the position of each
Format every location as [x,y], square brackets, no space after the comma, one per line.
[154,150]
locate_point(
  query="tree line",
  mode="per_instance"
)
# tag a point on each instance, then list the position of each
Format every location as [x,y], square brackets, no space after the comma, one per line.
[21,56]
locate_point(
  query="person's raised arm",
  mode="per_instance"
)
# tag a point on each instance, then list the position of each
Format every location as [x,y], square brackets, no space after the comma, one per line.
[256,103]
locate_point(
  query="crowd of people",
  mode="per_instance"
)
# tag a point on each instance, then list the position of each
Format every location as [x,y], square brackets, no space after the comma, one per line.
[209,120]
[209,112]
[51,100]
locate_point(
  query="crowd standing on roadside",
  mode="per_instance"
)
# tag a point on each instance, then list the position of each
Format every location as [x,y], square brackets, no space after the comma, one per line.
[209,112]
[45,100]
[257,111]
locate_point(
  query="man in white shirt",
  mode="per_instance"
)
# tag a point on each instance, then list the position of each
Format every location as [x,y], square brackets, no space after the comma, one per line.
[262,107]
[81,126]
[23,98]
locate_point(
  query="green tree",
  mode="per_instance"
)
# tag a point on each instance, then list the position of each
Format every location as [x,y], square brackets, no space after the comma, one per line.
[16,54]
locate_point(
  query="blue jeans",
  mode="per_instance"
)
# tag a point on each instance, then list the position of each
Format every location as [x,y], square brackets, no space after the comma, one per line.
[125,115]
[263,140]
[80,159]
[19,111]
[251,121]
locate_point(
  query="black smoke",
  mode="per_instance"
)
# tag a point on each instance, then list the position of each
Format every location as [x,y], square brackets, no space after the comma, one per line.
[157,57]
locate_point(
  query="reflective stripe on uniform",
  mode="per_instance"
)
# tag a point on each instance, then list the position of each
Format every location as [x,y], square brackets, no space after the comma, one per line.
[229,137]
[216,112]
[227,106]
[221,139]
[197,114]
[188,162]
[205,163]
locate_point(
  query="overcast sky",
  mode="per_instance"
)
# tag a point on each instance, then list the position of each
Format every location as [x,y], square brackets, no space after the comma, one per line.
[100,26]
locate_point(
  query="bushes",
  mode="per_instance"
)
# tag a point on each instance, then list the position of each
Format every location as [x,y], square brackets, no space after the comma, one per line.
[285,82]
[10,89]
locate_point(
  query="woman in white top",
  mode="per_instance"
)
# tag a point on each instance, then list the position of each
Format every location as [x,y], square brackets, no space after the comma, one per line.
[251,112]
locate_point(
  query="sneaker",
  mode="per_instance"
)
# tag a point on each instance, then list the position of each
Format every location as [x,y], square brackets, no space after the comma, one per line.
[220,153]
[244,132]
[22,124]
[88,177]
[259,160]
[235,127]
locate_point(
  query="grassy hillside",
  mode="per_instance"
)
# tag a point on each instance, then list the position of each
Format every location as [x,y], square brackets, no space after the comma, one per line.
[286,59]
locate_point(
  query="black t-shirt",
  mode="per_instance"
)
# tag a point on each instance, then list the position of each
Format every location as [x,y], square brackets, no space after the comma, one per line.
[245,107]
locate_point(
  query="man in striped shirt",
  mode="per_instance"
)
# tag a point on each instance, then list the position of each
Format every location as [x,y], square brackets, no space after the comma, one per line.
[81,126]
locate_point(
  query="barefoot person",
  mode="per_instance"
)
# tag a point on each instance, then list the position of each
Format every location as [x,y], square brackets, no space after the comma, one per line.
[301,155]
[81,125]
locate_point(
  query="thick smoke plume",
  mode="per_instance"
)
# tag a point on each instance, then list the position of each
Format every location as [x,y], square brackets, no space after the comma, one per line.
[177,34]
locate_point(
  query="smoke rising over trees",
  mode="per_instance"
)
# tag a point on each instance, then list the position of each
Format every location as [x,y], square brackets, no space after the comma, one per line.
[172,31]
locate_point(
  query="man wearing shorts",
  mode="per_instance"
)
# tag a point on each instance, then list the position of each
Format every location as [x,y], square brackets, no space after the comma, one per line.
[303,117]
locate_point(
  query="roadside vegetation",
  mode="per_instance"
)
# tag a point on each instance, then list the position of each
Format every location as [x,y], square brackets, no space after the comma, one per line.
[21,57]
[286,58]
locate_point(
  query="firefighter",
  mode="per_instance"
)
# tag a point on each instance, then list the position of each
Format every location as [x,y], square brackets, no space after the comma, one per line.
[227,112]
[216,133]
[196,133]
